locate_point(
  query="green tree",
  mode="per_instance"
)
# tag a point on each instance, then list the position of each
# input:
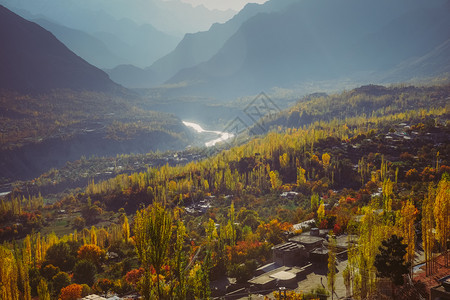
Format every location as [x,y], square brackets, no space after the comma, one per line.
[59,281]
[84,272]
[60,256]
[390,262]
[314,201]
[48,271]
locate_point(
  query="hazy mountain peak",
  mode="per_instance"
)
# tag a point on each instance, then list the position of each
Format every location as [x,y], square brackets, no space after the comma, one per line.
[33,59]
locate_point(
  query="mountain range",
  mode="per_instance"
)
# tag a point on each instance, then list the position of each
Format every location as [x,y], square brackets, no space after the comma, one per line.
[90,48]
[193,49]
[317,40]
[32,59]
[136,33]
[285,43]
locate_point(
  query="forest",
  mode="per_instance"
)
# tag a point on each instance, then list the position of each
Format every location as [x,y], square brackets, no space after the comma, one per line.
[371,164]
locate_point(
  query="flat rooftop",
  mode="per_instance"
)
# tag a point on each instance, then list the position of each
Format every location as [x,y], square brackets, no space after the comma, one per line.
[289,246]
[306,239]
[283,275]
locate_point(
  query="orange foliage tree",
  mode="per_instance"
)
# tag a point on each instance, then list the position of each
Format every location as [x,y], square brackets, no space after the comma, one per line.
[71,292]
[92,253]
[272,231]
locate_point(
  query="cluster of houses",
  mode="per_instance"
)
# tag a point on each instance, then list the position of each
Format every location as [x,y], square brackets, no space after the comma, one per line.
[294,259]
[112,297]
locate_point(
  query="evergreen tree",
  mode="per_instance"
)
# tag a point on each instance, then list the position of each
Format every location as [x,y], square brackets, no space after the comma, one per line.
[390,262]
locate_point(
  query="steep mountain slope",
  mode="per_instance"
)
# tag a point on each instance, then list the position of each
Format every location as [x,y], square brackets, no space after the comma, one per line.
[317,40]
[140,44]
[83,44]
[33,59]
[139,31]
[195,48]
[434,63]
[137,43]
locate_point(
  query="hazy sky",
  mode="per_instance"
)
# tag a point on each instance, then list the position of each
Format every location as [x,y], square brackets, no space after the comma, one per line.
[223,4]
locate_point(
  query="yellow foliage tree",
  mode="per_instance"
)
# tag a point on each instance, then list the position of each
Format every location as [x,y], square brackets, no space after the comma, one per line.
[301,178]
[321,212]
[42,290]
[442,215]
[406,217]
[284,160]
[275,180]
[326,160]
[126,229]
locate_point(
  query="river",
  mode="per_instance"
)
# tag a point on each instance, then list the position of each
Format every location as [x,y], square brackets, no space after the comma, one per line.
[222,136]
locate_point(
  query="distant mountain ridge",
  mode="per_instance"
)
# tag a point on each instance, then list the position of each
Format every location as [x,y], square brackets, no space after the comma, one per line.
[83,44]
[195,48]
[139,32]
[32,59]
[103,40]
[318,40]
[284,43]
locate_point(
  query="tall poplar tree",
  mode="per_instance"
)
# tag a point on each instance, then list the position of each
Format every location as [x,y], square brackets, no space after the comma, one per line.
[406,217]
[331,276]
[153,230]
[442,214]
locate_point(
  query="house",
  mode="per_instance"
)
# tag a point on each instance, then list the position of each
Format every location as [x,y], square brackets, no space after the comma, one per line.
[310,242]
[442,291]
[97,297]
[282,276]
[303,225]
[289,254]
[289,195]
[93,297]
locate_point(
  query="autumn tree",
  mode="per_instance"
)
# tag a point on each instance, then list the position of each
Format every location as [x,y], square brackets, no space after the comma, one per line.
[179,262]
[284,160]
[326,160]
[92,253]
[315,199]
[71,292]
[125,229]
[152,228]
[8,275]
[275,180]
[442,214]
[42,290]
[428,236]
[361,258]
[406,217]
[301,178]
[321,212]
[331,276]
[273,231]
[230,228]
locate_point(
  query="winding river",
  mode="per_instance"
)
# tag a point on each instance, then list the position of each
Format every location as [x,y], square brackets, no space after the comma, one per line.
[222,136]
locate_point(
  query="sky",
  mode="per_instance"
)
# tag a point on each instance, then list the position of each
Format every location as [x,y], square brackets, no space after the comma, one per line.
[223,4]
